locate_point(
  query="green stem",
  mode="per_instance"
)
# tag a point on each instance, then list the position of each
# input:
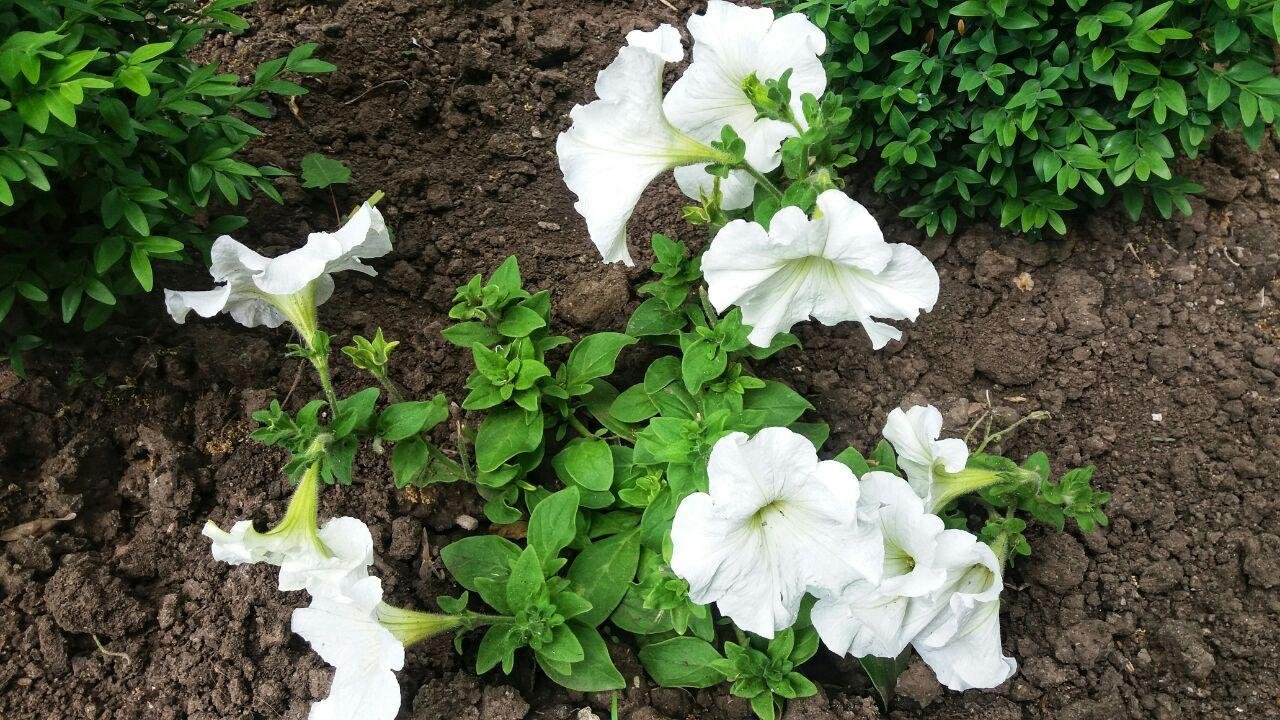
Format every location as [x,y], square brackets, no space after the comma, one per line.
[707,307]
[393,392]
[992,437]
[321,363]
[438,454]
[765,182]
[577,425]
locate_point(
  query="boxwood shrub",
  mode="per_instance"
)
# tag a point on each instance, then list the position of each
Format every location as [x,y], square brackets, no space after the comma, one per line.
[114,144]
[1022,110]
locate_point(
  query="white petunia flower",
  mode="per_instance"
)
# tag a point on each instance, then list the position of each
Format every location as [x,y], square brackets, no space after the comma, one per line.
[961,642]
[955,628]
[364,639]
[922,456]
[776,523]
[364,654]
[321,561]
[867,618]
[730,45]
[256,290]
[834,267]
[618,144]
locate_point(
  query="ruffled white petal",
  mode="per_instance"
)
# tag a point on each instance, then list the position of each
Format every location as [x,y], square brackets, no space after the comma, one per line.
[364,235]
[731,43]
[325,564]
[775,524]
[618,144]
[365,655]
[926,567]
[914,434]
[256,290]
[835,267]
[736,191]
[349,554]
[205,303]
[962,643]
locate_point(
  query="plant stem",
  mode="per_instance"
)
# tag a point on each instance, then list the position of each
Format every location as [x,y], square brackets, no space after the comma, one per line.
[321,363]
[576,424]
[765,182]
[992,437]
[707,307]
[438,454]
[393,392]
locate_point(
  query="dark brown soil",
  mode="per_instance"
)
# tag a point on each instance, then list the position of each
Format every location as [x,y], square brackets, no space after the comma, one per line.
[1154,346]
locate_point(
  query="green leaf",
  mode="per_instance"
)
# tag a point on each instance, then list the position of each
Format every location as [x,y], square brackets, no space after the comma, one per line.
[140,263]
[408,459]
[653,317]
[405,419]
[519,321]
[596,672]
[319,171]
[603,571]
[853,460]
[354,412]
[884,672]
[505,433]
[479,557]
[553,524]
[781,405]
[527,583]
[136,80]
[587,462]
[682,662]
[595,356]
[883,458]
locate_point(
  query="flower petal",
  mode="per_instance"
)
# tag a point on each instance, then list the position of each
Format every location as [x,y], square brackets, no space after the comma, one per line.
[350,547]
[618,144]
[853,236]
[346,633]
[777,523]
[359,694]
[972,657]
[736,191]
[723,564]
[731,43]
[914,435]
[834,268]
[861,621]
[206,303]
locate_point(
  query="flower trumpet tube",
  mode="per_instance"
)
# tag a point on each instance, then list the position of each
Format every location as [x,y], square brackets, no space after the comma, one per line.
[322,560]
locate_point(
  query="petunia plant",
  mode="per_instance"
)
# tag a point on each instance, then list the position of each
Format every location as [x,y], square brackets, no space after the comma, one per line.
[650,487]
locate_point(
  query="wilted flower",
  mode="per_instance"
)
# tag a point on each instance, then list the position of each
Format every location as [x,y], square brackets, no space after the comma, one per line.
[322,561]
[922,456]
[733,46]
[256,290]
[618,144]
[775,524]
[834,267]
